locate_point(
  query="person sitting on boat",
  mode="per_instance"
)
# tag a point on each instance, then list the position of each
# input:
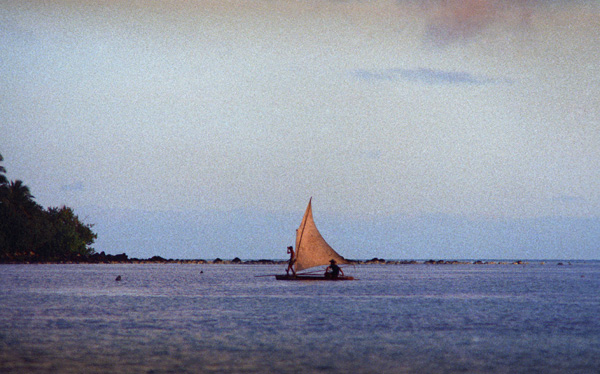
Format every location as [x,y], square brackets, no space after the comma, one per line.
[333,270]
[291,262]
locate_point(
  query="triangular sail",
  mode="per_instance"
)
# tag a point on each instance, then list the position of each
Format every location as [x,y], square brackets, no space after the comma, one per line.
[311,248]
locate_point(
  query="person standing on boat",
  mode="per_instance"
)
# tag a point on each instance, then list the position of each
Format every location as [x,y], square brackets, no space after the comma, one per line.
[291,262]
[333,270]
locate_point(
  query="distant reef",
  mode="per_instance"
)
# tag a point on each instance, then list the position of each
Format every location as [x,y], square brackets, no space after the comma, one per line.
[103,258]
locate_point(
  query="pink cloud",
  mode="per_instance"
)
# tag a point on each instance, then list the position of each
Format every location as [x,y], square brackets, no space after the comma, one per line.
[452,21]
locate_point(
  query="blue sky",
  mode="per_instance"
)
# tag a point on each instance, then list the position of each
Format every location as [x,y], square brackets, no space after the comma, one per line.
[391,114]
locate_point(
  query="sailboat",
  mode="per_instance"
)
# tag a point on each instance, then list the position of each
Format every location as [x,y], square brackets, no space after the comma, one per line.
[312,250]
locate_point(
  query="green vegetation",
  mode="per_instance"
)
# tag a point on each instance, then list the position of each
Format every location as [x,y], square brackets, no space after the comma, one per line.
[30,233]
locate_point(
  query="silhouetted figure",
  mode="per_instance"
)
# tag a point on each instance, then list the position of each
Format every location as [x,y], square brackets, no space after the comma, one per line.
[333,270]
[291,262]
[118,278]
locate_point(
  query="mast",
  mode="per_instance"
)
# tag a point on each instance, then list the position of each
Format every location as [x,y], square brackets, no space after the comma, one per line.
[300,231]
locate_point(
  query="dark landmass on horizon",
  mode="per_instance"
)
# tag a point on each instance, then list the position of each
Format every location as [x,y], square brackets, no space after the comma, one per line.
[103,258]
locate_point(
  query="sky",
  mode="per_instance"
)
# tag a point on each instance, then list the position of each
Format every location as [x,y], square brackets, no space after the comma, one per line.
[200,129]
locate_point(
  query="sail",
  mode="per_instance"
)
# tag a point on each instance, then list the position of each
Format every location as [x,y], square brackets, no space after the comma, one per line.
[311,248]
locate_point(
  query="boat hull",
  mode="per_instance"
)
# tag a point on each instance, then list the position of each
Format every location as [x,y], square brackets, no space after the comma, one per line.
[311,278]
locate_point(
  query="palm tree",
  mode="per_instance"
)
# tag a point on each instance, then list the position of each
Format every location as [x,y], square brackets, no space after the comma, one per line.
[18,217]
[18,196]
[3,179]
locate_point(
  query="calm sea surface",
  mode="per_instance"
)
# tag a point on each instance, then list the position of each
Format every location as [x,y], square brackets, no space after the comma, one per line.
[173,318]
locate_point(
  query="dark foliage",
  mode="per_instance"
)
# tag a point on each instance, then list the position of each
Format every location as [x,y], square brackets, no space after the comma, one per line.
[28,232]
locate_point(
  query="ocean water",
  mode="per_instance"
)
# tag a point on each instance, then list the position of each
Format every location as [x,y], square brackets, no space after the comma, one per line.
[175,318]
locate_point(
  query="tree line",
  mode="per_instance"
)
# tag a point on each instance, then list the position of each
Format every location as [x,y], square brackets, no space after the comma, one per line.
[31,233]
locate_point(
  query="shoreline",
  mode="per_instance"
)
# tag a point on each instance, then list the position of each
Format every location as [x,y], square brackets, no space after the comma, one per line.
[102,258]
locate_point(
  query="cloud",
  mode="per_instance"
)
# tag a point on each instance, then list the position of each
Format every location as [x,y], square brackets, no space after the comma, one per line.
[73,187]
[456,20]
[427,76]
[431,76]
[451,21]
